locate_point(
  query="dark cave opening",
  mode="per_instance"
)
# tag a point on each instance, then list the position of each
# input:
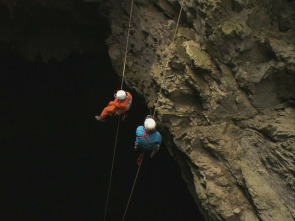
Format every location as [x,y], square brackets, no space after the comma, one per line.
[57,157]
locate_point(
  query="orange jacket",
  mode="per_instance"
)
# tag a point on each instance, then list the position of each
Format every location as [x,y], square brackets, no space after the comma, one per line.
[122,106]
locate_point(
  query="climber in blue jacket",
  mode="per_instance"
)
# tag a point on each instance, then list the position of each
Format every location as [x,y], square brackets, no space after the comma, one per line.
[147,137]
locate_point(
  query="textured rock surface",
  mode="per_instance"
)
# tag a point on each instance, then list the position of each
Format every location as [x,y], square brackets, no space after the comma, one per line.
[227,104]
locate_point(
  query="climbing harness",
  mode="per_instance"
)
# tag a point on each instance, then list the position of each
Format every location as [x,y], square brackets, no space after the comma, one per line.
[145,136]
[114,153]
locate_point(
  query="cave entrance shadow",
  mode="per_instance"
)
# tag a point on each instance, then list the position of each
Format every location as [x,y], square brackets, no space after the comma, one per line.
[62,155]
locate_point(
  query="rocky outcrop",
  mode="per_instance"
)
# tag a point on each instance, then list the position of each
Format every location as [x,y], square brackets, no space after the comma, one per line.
[227,101]
[226,107]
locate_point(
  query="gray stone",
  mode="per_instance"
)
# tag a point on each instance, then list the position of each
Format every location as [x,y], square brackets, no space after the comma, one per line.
[228,91]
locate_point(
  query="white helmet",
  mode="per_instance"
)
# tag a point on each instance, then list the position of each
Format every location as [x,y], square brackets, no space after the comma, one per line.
[121,95]
[150,124]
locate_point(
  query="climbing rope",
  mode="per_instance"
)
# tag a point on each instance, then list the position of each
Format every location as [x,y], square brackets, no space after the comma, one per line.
[110,180]
[115,147]
[123,75]
[127,42]
[139,165]
[164,76]
[142,154]
[181,7]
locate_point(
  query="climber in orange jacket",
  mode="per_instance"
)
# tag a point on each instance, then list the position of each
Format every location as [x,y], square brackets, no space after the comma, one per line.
[120,105]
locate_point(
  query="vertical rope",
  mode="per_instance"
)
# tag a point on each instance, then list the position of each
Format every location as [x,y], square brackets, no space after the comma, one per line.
[125,57]
[110,181]
[164,76]
[123,75]
[142,155]
[114,154]
[181,7]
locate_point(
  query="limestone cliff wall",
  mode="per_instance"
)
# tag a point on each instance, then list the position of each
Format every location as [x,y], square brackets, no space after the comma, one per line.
[227,104]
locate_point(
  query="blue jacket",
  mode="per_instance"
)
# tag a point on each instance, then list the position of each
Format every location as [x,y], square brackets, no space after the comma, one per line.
[148,140]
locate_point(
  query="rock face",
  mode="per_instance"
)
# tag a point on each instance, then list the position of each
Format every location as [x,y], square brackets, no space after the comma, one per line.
[227,102]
